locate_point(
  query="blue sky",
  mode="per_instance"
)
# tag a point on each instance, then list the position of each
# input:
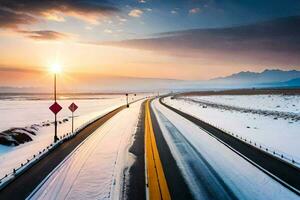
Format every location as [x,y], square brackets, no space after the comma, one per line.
[151,16]
[192,39]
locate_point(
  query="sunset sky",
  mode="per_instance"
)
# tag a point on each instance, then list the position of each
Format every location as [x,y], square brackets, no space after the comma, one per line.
[170,39]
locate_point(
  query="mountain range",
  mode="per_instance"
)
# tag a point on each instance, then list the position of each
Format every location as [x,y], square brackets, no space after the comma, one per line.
[257,78]
[248,79]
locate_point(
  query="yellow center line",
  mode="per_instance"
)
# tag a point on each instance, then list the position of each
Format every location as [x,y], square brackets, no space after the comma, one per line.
[158,188]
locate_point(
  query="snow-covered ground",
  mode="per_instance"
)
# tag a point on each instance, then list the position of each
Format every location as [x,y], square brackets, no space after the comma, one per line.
[95,170]
[23,112]
[281,103]
[277,134]
[208,161]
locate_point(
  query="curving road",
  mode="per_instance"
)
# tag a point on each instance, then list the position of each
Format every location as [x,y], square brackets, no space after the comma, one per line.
[280,170]
[211,169]
[21,187]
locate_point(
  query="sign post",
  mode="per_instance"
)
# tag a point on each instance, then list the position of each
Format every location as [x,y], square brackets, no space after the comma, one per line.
[55,107]
[72,108]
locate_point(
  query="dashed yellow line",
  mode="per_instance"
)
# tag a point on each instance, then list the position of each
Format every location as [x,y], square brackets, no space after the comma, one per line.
[157,184]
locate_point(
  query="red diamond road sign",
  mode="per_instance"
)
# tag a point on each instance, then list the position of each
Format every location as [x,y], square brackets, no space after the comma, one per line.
[55,108]
[73,107]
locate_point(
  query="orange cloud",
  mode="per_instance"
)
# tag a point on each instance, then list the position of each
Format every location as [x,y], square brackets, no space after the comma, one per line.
[44,35]
[135,13]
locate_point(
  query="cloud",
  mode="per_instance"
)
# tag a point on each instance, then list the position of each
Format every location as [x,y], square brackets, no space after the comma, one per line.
[194,10]
[14,69]
[173,12]
[44,35]
[135,13]
[15,12]
[121,19]
[54,16]
[9,19]
[272,42]
[108,31]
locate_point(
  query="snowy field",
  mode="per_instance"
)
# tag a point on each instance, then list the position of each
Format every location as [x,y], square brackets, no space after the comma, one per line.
[96,169]
[280,103]
[211,169]
[281,135]
[24,112]
[20,112]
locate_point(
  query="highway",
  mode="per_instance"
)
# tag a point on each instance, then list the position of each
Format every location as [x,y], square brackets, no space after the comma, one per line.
[165,180]
[203,180]
[177,156]
[207,167]
[21,187]
[280,170]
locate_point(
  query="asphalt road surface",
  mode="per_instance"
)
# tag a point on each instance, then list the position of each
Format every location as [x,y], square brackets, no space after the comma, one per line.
[177,186]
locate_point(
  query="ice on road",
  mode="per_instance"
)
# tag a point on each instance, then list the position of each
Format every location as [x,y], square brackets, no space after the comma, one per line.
[95,169]
[209,166]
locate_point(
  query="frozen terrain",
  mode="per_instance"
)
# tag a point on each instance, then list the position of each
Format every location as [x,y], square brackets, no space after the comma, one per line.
[212,170]
[281,135]
[96,169]
[281,103]
[24,112]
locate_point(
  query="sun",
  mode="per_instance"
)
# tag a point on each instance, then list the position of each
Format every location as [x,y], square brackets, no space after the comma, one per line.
[56,68]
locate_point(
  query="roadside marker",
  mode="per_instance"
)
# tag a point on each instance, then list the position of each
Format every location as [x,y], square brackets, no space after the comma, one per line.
[55,108]
[72,108]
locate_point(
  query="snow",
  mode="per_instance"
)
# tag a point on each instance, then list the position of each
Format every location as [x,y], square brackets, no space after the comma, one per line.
[25,112]
[244,179]
[280,135]
[22,113]
[95,169]
[281,103]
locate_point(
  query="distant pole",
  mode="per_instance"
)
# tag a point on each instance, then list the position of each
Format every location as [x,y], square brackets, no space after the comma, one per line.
[55,119]
[127,100]
[54,87]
